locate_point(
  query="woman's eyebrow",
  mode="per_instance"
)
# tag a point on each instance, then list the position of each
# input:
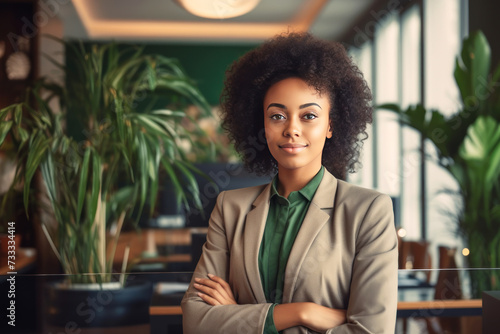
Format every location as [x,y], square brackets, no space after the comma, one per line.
[309,104]
[281,106]
[300,107]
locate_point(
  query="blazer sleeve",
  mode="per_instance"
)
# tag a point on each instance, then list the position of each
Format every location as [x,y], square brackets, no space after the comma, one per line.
[373,293]
[198,316]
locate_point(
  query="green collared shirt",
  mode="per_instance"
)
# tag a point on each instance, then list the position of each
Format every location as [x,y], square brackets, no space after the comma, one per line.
[282,226]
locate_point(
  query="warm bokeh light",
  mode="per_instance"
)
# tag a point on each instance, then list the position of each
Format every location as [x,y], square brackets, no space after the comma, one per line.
[402,232]
[465,252]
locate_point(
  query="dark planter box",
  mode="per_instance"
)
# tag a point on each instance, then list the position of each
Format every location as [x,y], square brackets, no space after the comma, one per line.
[491,312]
[74,308]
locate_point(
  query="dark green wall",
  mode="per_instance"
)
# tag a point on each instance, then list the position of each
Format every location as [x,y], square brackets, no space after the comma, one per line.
[206,64]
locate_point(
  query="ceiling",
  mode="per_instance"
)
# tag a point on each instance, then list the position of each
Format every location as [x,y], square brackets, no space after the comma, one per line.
[154,20]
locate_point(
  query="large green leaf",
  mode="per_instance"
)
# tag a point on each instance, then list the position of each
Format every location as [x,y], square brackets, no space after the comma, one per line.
[82,186]
[472,69]
[37,151]
[144,162]
[18,114]
[495,97]
[121,199]
[460,174]
[482,139]
[150,124]
[178,187]
[48,170]
[155,164]
[4,130]
[430,123]
[23,134]
[169,113]
[481,151]
[191,181]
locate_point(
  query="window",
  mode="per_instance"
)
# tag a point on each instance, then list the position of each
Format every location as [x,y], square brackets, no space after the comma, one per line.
[411,60]
[442,44]
[386,126]
[410,75]
[364,175]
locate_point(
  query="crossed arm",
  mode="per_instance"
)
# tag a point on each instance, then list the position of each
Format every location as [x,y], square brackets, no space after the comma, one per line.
[215,291]
[372,301]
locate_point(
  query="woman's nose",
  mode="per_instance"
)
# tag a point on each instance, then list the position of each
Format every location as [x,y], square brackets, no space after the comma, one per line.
[292,128]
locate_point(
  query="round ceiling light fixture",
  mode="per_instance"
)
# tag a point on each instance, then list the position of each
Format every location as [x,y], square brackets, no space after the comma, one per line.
[218,9]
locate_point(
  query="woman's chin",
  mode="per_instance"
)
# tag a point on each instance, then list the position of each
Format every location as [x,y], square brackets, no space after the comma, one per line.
[298,165]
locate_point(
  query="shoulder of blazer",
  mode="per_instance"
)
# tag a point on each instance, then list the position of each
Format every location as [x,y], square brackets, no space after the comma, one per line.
[357,203]
[355,196]
[346,195]
[243,197]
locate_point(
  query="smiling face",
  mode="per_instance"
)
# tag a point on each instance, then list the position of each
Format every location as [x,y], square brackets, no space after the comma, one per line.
[297,123]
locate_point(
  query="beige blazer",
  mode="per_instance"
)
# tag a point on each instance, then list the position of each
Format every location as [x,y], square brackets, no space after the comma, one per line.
[344,257]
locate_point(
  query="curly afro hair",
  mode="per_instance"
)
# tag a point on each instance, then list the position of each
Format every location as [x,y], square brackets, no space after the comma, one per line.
[325,66]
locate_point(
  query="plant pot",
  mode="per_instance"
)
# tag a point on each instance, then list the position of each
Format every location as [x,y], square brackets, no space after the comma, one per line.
[89,308]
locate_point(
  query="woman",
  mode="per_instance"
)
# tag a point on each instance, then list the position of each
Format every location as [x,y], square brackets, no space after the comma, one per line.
[307,252]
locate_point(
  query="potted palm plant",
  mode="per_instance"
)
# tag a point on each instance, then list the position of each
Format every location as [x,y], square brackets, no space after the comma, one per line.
[468,147]
[111,172]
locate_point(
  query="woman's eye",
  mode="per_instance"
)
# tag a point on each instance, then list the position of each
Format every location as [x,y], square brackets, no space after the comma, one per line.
[277,117]
[310,116]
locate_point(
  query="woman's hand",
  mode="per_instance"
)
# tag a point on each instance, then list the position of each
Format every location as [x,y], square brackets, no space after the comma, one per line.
[214,290]
[320,318]
[313,316]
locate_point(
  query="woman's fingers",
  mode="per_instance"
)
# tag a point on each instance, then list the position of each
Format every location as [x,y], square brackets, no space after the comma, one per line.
[209,300]
[215,288]
[223,283]
[208,282]
[214,293]
[225,286]
[320,318]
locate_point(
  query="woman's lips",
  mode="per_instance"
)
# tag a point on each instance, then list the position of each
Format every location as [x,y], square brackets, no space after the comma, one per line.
[292,148]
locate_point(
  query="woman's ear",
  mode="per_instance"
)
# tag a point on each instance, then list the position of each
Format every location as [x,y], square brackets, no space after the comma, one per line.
[329,134]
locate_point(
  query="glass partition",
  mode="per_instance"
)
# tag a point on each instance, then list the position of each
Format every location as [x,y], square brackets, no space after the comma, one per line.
[150,302]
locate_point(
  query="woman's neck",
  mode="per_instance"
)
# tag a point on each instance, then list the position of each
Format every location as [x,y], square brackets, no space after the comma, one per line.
[294,179]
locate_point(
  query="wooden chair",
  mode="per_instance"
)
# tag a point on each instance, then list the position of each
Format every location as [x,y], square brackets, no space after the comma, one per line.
[448,286]
[448,281]
[415,255]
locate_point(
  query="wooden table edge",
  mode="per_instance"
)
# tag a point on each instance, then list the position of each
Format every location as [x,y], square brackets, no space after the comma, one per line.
[431,304]
[441,304]
[165,310]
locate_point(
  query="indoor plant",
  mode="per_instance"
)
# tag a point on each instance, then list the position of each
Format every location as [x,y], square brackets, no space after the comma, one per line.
[468,147]
[110,172]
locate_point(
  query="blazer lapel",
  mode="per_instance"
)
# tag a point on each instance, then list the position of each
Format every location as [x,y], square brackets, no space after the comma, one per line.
[254,229]
[314,221]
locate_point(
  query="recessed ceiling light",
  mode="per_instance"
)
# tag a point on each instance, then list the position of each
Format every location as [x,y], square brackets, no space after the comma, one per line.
[218,9]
